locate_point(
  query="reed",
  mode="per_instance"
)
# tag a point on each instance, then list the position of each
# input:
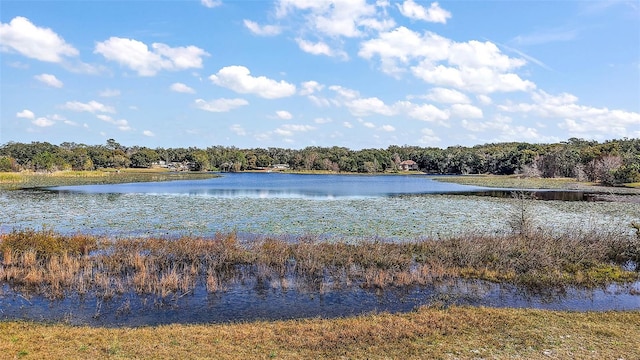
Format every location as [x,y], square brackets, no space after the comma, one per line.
[53,264]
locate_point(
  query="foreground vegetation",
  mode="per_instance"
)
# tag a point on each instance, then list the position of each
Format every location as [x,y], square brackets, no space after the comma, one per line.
[611,162]
[428,333]
[54,265]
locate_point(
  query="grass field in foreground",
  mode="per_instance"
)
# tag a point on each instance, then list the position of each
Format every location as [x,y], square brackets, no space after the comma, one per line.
[428,333]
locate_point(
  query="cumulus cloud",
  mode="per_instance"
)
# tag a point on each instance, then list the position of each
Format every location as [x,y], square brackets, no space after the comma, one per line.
[310,87]
[26,114]
[137,56]
[466,111]
[290,129]
[322,120]
[434,13]
[474,66]
[427,112]
[121,124]
[448,96]
[43,122]
[368,106]
[320,48]
[579,120]
[339,18]
[211,3]
[220,105]
[25,38]
[181,88]
[388,128]
[284,115]
[92,107]
[265,30]
[429,137]
[50,80]
[239,79]
[148,133]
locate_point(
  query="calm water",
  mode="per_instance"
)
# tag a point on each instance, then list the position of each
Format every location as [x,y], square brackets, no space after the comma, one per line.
[346,207]
[288,186]
[350,208]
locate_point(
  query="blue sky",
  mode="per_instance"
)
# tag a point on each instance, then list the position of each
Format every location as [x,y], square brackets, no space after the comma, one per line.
[297,73]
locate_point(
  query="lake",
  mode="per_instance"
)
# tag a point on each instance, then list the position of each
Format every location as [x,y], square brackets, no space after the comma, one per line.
[330,207]
[256,204]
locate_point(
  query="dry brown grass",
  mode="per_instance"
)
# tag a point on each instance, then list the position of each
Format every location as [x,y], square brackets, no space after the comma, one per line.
[429,333]
[51,264]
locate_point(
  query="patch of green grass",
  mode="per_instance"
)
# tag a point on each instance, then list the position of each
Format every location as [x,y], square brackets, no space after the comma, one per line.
[427,333]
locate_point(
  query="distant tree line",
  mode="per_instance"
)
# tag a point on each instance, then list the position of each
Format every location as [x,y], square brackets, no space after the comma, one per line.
[610,162]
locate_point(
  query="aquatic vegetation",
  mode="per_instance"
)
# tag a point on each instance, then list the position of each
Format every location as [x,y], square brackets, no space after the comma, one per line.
[54,265]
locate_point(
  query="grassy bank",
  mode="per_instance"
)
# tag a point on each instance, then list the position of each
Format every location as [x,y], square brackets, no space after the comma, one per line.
[428,333]
[28,180]
[53,265]
[517,182]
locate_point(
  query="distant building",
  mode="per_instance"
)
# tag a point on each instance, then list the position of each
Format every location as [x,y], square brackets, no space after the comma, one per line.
[408,165]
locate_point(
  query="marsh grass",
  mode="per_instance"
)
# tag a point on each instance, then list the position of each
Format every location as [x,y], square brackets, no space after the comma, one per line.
[50,264]
[427,333]
[30,180]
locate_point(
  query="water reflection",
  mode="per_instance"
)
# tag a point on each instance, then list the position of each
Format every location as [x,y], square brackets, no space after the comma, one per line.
[261,299]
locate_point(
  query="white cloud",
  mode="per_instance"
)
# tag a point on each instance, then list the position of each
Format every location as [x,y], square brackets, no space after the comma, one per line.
[109,93]
[448,96]
[347,124]
[23,37]
[266,30]
[239,79]
[238,130]
[320,48]
[502,129]
[50,80]
[367,124]
[92,107]
[579,120]
[43,122]
[478,80]
[368,106]
[484,99]
[220,105]
[138,57]
[473,66]
[322,120]
[148,133]
[310,87]
[466,111]
[284,115]
[388,128]
[427,112]
[429,137]
[182,88]
[414,11]
[211,3]
[337,18]
[121,124]
[26,114]
[290,129]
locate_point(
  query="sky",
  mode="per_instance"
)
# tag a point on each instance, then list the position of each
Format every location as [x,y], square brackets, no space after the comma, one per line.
[297,73]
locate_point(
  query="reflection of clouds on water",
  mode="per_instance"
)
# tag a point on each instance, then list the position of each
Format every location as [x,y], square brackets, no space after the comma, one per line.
[255,299]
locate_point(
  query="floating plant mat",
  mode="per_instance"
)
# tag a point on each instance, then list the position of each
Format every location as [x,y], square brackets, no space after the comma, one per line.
[395,217]
[258,300]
